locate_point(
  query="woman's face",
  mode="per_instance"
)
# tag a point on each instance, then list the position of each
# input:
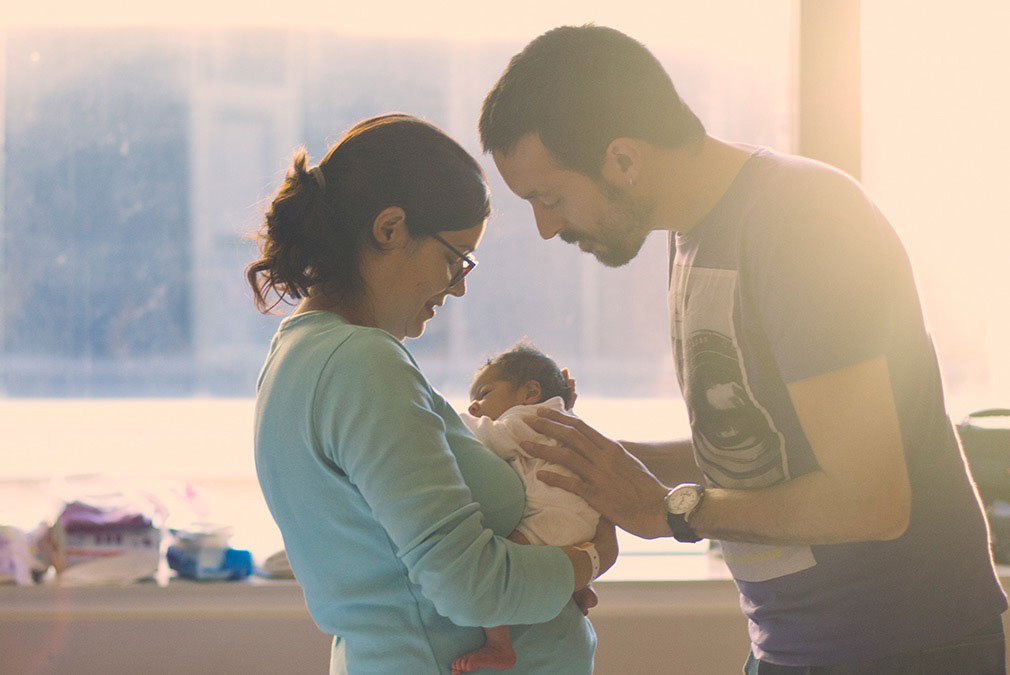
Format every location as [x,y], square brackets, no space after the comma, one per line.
[427,271]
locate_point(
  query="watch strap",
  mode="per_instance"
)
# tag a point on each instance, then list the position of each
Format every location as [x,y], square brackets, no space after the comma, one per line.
[681,530]
[677,522]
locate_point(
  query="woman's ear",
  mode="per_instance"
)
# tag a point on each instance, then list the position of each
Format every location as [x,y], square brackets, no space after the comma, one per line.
[389,229]
[531,393]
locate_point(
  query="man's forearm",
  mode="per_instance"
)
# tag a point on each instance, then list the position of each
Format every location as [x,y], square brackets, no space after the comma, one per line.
[811,509]
[672,462]
[808,510]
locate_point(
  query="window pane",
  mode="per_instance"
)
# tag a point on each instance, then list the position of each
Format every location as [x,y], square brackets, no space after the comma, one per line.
[138,161]
[935,142]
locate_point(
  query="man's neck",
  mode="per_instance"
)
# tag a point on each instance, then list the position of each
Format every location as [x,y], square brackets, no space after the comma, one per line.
[690,181]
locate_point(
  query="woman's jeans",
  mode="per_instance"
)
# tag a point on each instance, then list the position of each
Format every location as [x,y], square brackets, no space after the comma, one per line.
[981,653]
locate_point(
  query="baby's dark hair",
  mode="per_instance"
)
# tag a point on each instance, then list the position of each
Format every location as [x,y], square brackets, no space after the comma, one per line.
[523,362]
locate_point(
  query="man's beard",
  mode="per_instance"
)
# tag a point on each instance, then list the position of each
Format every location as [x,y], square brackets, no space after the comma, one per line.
[621,235]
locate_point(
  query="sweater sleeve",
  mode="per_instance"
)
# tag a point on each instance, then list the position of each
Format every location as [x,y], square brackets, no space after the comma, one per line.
[376,418]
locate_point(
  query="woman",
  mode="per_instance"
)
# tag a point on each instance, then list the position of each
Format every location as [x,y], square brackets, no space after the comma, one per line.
[394,517]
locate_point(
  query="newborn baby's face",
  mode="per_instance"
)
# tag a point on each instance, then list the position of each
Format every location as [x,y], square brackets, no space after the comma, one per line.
[492,395]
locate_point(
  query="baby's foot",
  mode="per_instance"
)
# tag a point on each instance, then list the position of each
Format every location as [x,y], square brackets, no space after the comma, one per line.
[493,656]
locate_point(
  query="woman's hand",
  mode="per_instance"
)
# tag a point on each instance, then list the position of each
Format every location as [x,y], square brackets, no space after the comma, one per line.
[570,383]
[586,599]
[605,540]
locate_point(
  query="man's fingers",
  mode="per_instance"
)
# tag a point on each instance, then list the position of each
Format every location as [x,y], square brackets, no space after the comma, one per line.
[557,454]
[564,434]
[576,423]
[573,485]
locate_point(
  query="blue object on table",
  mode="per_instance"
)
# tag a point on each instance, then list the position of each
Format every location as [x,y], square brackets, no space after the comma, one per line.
[205,564]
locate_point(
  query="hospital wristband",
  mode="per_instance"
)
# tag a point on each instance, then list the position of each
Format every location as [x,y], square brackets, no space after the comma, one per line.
[594,557]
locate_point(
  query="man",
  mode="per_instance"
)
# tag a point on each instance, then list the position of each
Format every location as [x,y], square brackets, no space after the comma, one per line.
[822,454]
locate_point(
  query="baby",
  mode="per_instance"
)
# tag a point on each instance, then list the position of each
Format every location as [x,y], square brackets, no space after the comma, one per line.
[506,389]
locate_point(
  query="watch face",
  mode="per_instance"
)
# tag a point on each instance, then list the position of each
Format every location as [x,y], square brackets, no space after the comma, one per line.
[682,499]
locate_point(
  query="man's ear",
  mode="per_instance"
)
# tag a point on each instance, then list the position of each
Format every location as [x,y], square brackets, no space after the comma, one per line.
[623,163]
[531,392]
[389,229]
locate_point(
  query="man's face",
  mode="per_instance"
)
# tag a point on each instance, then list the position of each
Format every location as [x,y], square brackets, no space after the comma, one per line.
[598,216]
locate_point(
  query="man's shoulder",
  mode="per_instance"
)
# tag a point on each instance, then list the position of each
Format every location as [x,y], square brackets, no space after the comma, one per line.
[797,177]
[784,196]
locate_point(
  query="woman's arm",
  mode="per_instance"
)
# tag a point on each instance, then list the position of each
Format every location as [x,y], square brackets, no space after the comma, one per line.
[377,423]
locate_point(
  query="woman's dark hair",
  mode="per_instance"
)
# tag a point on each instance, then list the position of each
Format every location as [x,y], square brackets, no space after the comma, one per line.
[579,88]
[523,362]
[320,218]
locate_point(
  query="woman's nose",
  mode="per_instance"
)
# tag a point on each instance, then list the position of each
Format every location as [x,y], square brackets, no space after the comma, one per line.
[474,409]
[459,290]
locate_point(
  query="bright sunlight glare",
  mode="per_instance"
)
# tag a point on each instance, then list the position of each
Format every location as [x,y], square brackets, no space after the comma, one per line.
[647,20]
[936,100]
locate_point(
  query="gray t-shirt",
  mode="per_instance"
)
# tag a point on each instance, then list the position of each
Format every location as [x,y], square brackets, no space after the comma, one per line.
[795,273]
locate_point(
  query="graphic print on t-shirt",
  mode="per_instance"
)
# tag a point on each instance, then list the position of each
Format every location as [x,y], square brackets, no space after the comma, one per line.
[735,439]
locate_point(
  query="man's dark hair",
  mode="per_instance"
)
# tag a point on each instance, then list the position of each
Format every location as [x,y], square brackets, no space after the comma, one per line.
[523,362]
[579,88]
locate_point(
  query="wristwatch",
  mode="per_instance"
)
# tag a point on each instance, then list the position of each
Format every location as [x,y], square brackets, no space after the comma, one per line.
[680,502]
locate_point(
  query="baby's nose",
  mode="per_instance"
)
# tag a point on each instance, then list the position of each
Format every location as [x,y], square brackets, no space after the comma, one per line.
[474,409]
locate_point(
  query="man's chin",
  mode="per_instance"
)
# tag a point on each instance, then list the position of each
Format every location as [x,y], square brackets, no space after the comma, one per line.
[613,258]
[609,256]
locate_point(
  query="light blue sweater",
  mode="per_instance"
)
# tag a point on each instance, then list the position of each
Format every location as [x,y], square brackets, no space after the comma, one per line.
[393,514]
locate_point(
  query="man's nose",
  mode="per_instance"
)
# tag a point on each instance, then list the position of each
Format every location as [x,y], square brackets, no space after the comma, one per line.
[548,223]
[474,409]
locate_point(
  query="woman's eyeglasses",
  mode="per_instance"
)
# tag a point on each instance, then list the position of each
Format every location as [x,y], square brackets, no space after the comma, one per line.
[461,266]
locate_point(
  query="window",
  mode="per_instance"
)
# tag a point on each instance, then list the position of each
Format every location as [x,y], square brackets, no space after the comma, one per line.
[137,160]
[934,145]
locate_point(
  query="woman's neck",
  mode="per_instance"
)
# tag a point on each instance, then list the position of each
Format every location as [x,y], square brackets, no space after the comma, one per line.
[356,312]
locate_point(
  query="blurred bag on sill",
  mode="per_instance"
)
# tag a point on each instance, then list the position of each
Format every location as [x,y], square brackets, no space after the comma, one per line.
[985,437]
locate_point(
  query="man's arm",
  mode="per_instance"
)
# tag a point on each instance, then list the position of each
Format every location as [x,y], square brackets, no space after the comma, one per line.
[860,492]
[671,462]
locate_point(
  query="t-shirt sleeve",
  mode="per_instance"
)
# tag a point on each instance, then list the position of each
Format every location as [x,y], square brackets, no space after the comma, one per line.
[817,272]
[375,414]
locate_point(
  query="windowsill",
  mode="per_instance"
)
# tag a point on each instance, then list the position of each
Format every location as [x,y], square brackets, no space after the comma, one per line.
[282,598]
[692,619]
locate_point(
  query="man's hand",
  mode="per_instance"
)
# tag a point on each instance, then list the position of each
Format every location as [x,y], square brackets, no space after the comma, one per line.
[610,479]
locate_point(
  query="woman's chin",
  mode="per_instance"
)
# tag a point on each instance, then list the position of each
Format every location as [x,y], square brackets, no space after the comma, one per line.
[416,329]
